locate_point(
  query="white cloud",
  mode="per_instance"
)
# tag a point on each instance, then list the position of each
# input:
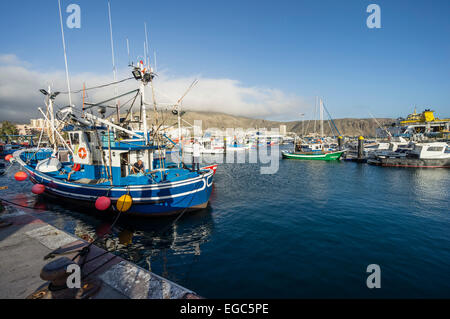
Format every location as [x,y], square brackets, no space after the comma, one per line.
[20,97]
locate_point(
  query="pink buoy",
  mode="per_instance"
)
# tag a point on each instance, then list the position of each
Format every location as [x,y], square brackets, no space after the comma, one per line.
[38,189]
[8,157]
[103,203]
[20,176]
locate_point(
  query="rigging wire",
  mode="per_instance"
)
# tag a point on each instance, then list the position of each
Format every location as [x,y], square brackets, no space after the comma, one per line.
[331,119]
[97,87]
[108,100]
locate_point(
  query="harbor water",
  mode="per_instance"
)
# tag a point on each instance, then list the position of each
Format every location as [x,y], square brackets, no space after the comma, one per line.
[308,231]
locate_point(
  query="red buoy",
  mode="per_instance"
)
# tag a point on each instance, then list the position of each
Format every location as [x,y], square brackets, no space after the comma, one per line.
[20,176]
[38,189]
[103,203]
[8,157]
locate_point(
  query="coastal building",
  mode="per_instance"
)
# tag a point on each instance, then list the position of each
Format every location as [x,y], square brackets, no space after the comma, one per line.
[37,123]
[23,129]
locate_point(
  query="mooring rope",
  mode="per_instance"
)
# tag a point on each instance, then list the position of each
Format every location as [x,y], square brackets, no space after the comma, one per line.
[15,204]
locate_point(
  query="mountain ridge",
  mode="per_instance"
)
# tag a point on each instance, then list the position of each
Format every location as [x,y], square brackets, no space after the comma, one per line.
[346,126]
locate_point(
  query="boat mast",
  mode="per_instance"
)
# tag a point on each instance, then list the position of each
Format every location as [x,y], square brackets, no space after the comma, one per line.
[52,116]
[315,114]
[65,55]
[143,106]
[179,136]
[113,58]
[321,117]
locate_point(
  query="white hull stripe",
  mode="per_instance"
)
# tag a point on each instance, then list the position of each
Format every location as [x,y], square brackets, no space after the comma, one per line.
[135,199]
[129,188]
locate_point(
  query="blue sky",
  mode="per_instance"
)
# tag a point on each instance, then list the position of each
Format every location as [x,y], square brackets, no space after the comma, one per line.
[302,48]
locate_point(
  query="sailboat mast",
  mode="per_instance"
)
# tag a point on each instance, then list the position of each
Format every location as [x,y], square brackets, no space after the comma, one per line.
[321,118]
[65,54]
[315,114]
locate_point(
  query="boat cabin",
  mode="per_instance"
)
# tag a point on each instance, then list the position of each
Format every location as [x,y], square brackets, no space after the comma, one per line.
[96,157]
[431,150]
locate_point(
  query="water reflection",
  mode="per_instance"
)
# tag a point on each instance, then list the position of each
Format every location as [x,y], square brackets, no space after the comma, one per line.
[149,242]
[137,239]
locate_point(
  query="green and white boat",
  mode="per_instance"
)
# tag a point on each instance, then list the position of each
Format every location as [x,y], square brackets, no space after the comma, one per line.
[317,148]
[317,156]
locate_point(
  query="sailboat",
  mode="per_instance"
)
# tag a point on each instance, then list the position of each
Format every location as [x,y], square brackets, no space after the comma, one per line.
[315,149]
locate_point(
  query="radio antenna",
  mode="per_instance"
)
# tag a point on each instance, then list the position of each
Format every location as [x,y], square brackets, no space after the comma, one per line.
[128,50]
[147,53]
[113,58]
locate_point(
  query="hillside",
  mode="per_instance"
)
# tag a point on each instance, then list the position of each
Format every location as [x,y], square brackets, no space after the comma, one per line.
[346,126]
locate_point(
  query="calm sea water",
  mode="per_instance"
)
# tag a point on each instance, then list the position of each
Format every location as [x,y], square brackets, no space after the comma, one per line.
[308,231]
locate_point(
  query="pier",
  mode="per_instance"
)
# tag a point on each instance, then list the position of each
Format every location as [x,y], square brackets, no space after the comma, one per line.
[24,242]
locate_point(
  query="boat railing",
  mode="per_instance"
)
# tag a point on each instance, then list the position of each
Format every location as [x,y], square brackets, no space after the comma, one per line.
[35,155]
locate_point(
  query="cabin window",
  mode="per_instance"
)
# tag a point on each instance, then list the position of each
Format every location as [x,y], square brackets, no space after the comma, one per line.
[88,137]
[435,149]
[75,138]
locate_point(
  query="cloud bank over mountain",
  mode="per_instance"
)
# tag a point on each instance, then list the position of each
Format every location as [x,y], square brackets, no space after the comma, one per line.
[20,83]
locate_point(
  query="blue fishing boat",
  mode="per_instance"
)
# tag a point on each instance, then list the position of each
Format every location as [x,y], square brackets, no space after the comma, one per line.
[112,166]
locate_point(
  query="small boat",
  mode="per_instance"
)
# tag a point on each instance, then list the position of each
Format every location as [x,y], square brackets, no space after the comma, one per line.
[8,149]
[426,155]
[317,149]
[321,156]
[236,147]
[237,144]
[208,145]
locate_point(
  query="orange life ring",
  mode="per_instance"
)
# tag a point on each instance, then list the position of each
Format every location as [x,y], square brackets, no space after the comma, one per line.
[82,153]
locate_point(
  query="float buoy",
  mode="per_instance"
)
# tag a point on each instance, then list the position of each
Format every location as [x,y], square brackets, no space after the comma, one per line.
[124,203]
[20,176]
[103,203]
[38,189]
[8,157]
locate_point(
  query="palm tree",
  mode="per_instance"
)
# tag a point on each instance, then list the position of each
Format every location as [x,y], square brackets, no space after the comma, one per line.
[7,128]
